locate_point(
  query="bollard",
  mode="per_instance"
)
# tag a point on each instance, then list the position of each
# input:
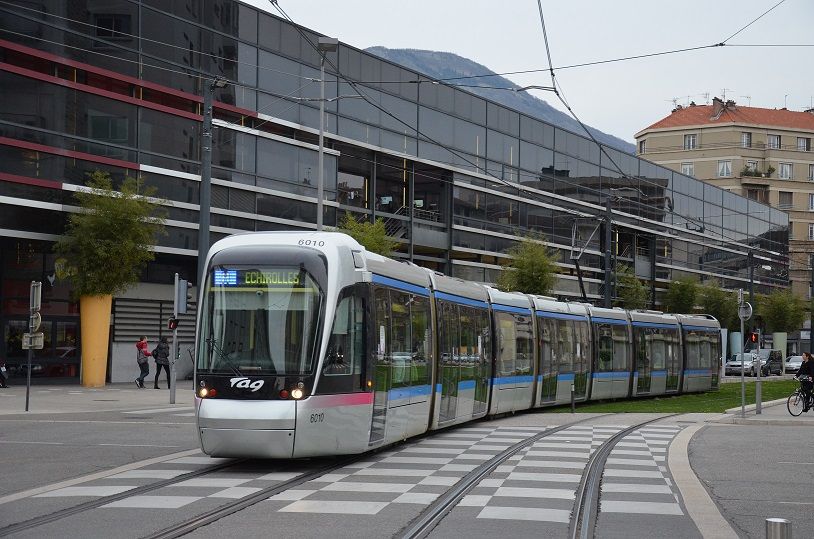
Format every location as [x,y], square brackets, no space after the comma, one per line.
[573,407]
[778,528]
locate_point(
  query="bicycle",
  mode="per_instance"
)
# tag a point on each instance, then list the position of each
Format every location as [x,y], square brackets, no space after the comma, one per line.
[796,401]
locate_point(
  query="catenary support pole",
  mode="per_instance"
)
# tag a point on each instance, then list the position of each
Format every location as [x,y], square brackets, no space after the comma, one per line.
[321,173]
[174,349]
[205,198]
[608,276]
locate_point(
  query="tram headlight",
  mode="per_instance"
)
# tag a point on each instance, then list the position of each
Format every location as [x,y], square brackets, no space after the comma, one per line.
[297,393]
[203,392]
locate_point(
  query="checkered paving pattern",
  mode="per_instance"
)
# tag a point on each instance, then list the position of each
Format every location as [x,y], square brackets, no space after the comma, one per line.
[414,474]
[539,483]
[635,480]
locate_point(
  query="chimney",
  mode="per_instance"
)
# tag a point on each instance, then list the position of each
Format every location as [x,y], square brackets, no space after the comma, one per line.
[717,107]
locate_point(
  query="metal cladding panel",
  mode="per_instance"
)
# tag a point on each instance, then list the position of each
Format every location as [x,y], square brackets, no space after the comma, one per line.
[513,299]
[397,270]
[550,305]
[614,314]
[458,287]
[702,321]
[656,318]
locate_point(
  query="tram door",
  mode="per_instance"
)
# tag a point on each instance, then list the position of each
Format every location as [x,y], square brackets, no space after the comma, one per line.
[381,365]
[643,365]
[449,362]
[548,365]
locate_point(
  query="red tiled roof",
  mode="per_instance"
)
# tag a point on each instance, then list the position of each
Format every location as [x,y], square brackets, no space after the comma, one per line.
[703,115]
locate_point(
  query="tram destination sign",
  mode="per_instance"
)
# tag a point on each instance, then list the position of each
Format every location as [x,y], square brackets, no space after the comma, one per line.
[265,277]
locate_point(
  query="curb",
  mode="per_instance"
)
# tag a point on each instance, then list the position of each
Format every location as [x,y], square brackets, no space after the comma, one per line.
[751,407]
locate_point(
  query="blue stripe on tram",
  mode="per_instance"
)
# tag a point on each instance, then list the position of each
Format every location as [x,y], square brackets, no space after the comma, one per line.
[401,285]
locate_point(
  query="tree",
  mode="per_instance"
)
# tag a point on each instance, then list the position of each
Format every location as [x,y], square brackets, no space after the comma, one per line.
[781,311]
[532,269]
[104,249]
[107,244]
[630,292]
[372,236]
[680,296]
[721,304]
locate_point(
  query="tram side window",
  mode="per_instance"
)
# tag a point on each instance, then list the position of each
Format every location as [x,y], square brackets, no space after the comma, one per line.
[548,334]
[469,332]
[642,339]
[524,336]
[604,342]
[507,344]
[658,352]
[705,349]
[421,340]
[671,349]
[692,349]
[448,332]
[344,361]
[583,347]
[482,337]
[382,336]
[621,348]
[400,338]
[565,345]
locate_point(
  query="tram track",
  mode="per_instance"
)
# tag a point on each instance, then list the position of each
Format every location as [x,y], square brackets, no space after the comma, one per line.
[586,505]
[93,504]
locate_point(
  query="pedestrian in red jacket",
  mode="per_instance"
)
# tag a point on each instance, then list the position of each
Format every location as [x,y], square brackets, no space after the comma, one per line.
[142,353]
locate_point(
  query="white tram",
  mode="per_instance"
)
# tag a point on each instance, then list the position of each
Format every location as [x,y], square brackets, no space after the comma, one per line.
[308,345]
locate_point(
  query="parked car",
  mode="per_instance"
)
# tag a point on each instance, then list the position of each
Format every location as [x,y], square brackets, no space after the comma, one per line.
[771,362]
[734,365]
[793,364]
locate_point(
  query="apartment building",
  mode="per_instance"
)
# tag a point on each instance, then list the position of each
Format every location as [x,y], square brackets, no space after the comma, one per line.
[762,154]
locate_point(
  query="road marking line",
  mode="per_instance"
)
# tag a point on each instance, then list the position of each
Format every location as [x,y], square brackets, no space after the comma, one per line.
[94,476]
[699,505]
[39,443]
[159,410]
[138,445]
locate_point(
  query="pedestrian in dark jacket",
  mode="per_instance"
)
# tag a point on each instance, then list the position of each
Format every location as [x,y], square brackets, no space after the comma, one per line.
[161,354]
[141,358]
[806,375]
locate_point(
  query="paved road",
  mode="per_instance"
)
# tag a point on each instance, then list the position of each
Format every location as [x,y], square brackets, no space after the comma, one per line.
[129,438]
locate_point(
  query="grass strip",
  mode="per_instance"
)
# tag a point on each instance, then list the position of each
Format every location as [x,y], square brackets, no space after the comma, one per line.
[727,396]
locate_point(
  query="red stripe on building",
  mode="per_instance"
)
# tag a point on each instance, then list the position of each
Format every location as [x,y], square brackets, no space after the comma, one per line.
[122,77]
[13,178]
[92,90]
[33,146]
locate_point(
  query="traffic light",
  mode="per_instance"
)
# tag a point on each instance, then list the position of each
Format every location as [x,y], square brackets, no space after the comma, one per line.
[183,295]
[172,323]
[753,337]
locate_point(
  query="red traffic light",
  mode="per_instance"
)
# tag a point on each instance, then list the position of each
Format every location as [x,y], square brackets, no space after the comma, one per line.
[753,337]
[172,323]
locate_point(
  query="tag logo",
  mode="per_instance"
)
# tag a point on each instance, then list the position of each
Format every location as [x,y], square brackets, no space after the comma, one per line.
[245,383]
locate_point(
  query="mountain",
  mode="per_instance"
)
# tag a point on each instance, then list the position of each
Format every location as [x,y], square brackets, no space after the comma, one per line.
[445,65]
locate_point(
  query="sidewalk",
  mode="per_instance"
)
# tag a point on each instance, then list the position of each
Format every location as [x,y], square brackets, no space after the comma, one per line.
[773,413]
[65,399]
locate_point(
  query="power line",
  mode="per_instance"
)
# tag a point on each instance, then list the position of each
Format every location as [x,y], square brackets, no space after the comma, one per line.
[753,21]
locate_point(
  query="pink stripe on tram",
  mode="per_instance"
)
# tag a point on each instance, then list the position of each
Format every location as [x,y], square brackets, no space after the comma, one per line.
[346,399]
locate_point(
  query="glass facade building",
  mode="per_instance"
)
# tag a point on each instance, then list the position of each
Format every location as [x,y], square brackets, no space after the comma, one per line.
[116,86]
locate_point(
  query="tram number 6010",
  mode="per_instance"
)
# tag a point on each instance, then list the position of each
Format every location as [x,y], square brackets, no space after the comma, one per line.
[309,243]
[317,418]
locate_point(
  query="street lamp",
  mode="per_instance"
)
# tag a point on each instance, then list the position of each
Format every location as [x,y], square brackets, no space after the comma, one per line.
[324,45]
[205,197]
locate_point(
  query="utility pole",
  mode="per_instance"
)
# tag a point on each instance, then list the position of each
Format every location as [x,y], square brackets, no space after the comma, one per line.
[608,276]
[205,197]
[324,45]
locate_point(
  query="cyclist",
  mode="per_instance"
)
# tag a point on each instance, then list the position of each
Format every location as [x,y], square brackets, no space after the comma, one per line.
[806,377]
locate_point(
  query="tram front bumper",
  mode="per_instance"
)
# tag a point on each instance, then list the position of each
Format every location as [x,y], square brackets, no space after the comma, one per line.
[240,428]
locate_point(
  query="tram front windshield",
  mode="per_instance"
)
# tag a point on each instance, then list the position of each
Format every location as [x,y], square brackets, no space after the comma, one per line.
[259,321]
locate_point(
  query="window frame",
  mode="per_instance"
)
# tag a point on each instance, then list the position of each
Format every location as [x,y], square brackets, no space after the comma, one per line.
[785,171]
[746,139]
[691,141]
[773,142]
[727,164]
[688,169]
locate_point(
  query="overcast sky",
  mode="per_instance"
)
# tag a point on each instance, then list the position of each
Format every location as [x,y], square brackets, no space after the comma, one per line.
[618,98]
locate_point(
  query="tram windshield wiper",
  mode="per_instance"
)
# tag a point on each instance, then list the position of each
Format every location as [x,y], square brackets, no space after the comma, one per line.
[222,357]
